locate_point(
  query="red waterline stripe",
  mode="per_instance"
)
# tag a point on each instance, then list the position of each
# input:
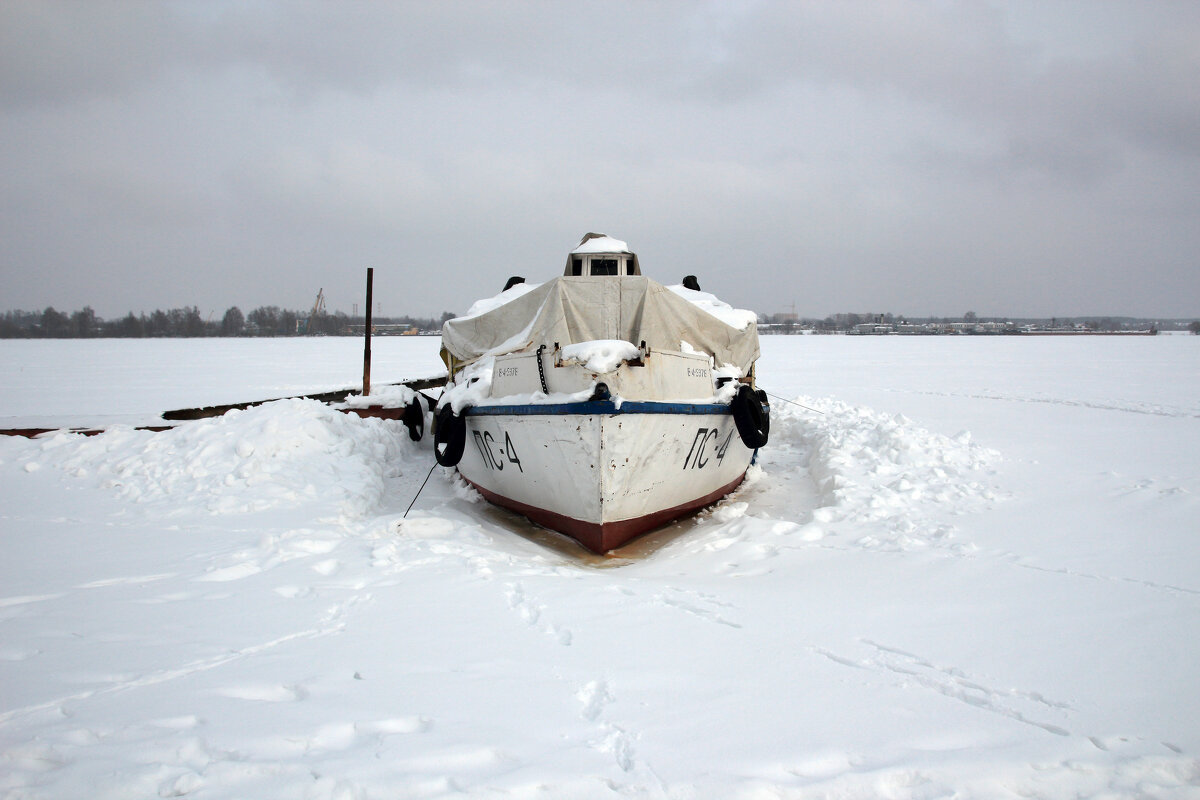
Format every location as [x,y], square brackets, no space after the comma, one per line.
[600,537]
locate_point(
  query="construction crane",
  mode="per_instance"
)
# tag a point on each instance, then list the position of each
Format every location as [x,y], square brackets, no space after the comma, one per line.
[318,309]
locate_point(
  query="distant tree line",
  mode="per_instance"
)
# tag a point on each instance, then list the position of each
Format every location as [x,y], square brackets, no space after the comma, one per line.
[274,321]
[840,323]
[188,322]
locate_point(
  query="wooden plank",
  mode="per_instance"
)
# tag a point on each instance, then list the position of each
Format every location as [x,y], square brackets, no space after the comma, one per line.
[338,396]
[205,412]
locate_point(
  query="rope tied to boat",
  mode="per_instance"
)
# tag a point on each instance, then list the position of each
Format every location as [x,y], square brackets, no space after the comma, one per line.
[793,402]
[414,500]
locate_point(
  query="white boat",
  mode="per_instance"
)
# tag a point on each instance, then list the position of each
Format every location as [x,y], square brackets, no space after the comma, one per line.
[601,404]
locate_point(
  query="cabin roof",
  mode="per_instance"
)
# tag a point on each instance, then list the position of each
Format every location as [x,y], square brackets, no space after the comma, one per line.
[600,243]
[600,246]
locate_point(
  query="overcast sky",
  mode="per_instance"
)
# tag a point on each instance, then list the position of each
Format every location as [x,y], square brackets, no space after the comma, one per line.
[1010,158]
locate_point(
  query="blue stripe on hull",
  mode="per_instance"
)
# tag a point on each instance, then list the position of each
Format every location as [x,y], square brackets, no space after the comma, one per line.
[597,407]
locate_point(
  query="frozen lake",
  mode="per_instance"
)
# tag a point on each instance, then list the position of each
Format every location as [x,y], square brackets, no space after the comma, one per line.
[967,569]
[125,380]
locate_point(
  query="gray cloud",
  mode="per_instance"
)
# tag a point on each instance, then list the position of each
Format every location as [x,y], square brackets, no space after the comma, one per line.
[1021,158]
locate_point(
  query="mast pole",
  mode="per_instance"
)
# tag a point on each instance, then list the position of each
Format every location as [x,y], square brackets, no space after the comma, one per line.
[367,336]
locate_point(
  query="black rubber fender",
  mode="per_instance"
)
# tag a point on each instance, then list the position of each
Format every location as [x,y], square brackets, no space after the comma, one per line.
[753,420]
[449,436]
[762,398]
[414,419]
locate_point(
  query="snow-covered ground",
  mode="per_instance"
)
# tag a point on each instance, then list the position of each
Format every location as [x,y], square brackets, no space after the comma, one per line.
[970,568]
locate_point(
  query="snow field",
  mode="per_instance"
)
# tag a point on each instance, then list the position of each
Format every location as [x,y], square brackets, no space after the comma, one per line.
[889,607]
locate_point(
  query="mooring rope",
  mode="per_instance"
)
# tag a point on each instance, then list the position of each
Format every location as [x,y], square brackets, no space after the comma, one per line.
[414,500]
[793,402]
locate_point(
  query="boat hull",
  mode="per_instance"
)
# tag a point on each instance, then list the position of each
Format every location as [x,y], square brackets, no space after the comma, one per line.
[600,472]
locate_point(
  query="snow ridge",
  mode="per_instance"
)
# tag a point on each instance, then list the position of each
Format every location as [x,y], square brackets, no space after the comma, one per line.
[265,457]
[882,470]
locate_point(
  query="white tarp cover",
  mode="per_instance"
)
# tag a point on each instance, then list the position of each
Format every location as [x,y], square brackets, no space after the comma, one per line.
[568,310]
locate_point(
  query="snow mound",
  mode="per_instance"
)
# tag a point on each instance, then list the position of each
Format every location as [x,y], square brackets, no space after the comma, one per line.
[389,396]
[891,477]
[276,455]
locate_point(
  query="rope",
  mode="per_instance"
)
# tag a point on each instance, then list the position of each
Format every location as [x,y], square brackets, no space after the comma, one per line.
[793,402]
[414,500]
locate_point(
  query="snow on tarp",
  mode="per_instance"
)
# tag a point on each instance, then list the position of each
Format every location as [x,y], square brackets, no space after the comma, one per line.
[738,318]
[569,310]
[507,296]
[603,355]
[600,243]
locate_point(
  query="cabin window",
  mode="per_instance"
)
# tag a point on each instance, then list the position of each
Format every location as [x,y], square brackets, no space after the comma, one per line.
[601,264]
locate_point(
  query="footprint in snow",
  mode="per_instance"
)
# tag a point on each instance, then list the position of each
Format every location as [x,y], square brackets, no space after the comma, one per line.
[394,725]
[234,573]
[9,602]
[176,723]
[180,786]
[17,654]
[267,693]
[911,670]
[327,567]
[595,697]
[135,579]
[699,604]
[530,613]
[293,592]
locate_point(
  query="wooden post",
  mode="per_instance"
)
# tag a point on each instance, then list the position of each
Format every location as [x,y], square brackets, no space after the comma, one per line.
[367,342]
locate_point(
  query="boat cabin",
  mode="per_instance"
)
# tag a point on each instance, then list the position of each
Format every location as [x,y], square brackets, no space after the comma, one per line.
[599,255]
